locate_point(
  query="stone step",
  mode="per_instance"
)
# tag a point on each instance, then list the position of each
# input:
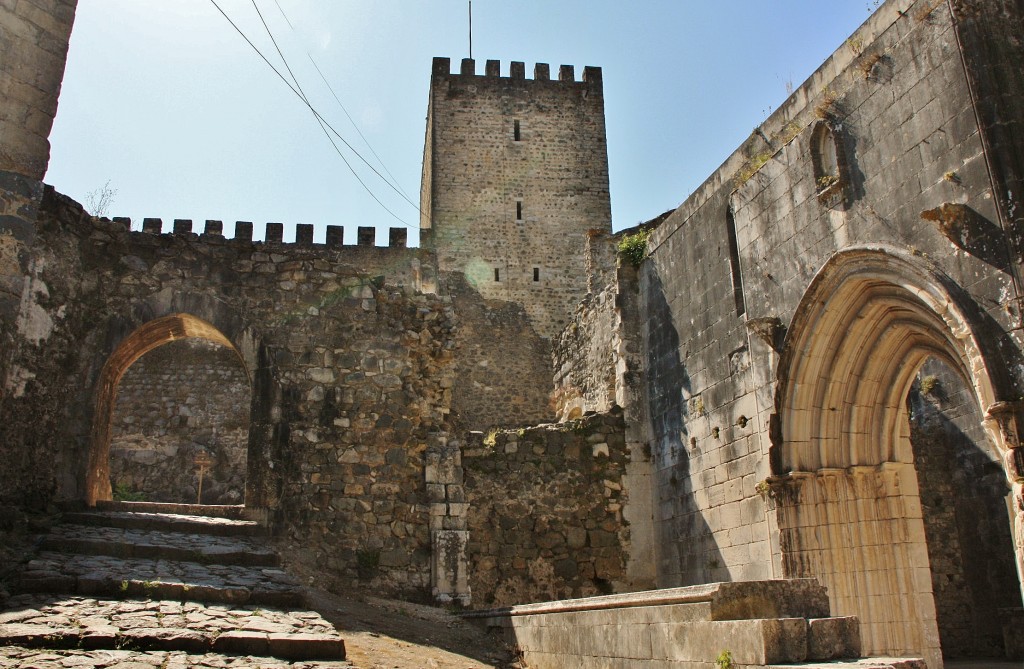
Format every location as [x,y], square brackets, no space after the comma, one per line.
[864,663]
[233,511]
[156,544]
[15,656]
[53,622]
[102,575]
[169,522]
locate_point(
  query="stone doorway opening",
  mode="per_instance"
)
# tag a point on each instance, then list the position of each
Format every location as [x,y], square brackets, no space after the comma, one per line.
[180,426]
[964,495]
[888,464]
[174,391]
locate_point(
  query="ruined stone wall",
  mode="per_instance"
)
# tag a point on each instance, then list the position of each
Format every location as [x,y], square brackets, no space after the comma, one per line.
[515,174]
[545,509]
[351,373]
[33,51]
[897,98]
[729,268]
[184,398]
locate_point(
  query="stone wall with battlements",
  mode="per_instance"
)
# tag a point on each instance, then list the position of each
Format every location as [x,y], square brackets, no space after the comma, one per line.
[350,365]
[515,174]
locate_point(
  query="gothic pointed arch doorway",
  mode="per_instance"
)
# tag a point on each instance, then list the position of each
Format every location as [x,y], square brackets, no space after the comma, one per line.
[176,328]
[860,497]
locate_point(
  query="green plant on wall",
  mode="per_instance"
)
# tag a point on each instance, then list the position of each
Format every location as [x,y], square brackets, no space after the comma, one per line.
[633,248]
[724,660]
[123,492]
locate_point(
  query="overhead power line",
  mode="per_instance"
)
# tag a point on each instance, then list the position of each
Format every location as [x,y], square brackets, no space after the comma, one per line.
[337,99]
[324,124]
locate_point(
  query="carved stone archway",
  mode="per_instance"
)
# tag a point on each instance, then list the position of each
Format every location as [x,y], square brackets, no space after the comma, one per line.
[848,503]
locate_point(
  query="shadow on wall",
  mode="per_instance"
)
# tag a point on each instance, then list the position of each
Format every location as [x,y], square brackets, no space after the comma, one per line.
[963,489]
[689,554]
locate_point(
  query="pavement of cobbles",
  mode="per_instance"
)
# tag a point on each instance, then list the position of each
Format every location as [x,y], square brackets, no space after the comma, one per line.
[169,579]
[12,657]
[127,542]
[168,522]
[77,622]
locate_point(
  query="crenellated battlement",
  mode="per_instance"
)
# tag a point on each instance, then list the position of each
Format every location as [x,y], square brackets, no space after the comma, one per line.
[273,233]
[517,71]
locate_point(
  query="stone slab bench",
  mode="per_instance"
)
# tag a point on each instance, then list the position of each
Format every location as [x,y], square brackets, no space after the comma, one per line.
[759,623]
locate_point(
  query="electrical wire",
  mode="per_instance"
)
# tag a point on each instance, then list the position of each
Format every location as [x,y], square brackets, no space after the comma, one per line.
[323,122]
[351,120]
[337,99]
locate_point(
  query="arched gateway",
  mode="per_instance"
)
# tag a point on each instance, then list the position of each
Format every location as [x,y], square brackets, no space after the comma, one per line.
[216,326]
[853,508]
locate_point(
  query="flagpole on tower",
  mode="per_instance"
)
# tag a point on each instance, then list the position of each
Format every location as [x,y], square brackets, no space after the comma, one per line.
[471,29]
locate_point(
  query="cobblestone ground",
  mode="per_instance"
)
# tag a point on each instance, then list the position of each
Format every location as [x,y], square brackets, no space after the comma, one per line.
[139,543]
[209,594]
[26,658]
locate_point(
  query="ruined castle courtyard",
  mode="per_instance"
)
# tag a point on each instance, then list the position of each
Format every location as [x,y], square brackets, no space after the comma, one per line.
[776,426]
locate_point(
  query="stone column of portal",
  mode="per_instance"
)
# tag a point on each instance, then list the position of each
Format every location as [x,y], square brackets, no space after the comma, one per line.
[1013,460]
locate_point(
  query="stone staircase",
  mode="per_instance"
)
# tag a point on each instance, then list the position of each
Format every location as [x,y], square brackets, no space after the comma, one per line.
[164,586]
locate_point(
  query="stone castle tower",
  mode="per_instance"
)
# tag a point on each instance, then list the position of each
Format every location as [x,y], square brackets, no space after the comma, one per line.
[515,175]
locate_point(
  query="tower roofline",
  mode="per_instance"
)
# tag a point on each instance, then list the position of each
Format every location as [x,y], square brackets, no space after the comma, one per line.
[517,70]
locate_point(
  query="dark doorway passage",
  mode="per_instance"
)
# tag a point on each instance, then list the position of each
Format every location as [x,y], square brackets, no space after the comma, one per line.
[963,498]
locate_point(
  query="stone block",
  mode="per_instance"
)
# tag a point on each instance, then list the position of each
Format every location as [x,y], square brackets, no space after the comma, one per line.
[366,236]
[274,233]
[304,234]
[303,646]
[449,565]
[240,642]
[335,235]
[243,231]
[833,638]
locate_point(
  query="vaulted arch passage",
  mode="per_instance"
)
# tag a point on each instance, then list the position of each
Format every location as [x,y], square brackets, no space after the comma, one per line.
[232,473]
[180,425]
[871,469]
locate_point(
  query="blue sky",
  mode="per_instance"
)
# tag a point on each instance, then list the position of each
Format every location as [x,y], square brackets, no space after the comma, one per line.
[167,103]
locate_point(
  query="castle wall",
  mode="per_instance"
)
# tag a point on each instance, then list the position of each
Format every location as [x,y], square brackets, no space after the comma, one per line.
[503,372]
[351,371]
[515,174]
[33,52]
[716,302]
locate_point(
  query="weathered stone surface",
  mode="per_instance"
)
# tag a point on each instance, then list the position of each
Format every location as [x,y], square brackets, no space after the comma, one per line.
[759,623]
[544,514]
[176,401]
[13,656]
[833,638]
[35,49]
